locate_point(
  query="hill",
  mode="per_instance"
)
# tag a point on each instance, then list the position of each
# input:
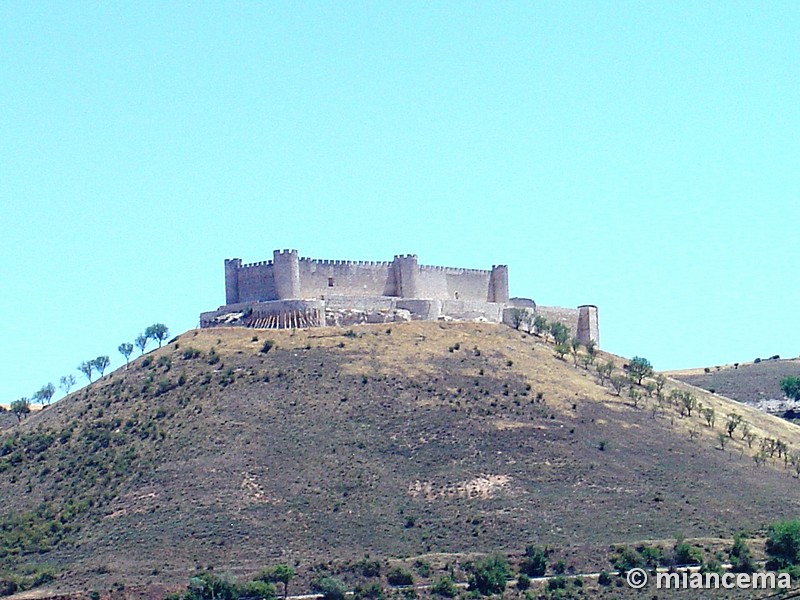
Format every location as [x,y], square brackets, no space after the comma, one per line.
[230,449]
[756,383]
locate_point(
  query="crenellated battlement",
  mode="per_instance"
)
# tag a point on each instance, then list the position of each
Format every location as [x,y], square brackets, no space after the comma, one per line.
[452,270]
[263,263]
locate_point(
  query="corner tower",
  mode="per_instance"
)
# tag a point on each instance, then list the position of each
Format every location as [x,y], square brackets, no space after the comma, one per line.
[286,271]
[232,267]
[588,326]
[498,284]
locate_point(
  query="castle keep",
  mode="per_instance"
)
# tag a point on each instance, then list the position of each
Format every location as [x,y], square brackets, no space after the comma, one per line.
[293,291]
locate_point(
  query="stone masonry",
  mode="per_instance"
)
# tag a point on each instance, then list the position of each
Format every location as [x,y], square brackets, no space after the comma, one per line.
[291,291]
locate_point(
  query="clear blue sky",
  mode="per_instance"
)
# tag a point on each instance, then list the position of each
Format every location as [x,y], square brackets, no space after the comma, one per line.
[641,156]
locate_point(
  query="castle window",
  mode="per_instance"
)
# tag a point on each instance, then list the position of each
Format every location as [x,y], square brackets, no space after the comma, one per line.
[330,281]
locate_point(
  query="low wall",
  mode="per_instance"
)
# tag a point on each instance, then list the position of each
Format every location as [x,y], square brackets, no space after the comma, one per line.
[567,316]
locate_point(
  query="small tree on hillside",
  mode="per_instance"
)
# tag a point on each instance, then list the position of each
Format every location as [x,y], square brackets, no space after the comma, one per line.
[141,342]
[278,574]
[605,371]
[66,382]
[126,349]
[661,381]
[732,423]
[560,332]
[618,383]
[709,414]
[639,369]
[87,367]
[21,407]
[520,317]
[159,332]
[45,394]
[561,350]
[686,402]
[574,346]
[541,326]
[101,364]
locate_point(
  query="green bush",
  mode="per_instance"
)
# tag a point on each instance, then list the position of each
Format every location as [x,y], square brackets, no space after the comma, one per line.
[783,544]
[559,582]
[268,345]
[372,591]
[523,582]
[489,575]
[258,590]
[650,555]
[604,579]
[624,559]
[422,568]
[535,562]
[445,586]
[208,586]
[369,567]
[686,554]
[741,557]
[330,588]
[399,576]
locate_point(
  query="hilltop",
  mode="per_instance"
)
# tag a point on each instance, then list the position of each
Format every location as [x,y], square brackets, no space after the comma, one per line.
[233,448]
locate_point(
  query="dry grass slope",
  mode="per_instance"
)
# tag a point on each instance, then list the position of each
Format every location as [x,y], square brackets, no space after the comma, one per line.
[394,440]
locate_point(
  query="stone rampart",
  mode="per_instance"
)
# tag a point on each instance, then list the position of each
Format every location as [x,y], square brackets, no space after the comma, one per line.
[290,291]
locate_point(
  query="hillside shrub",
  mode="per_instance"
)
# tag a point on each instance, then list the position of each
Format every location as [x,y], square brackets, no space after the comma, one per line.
[258,590]
[604,579]
[372,591]
[741,558]
[489,575]
[445,586]
[399,576]
[624,559]
[331,588]
[422,568]
[783,544]
[686,554]
[369,567]
[559,582]
[208,586]
[791,387]
[535,562]
[268,345]
[523,582]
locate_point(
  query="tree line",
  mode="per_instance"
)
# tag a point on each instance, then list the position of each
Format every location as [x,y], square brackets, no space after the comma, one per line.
[158,332]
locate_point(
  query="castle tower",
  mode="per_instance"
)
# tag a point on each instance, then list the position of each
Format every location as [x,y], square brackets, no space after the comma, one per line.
[406,273]
[588,326]
[498,284]
[286,271]
[232,267]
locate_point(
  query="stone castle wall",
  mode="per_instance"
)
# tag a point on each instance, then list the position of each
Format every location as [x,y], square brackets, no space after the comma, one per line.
[288,276]
[292,291]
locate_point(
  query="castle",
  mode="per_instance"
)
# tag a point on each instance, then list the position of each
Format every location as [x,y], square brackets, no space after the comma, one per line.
[291,291]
